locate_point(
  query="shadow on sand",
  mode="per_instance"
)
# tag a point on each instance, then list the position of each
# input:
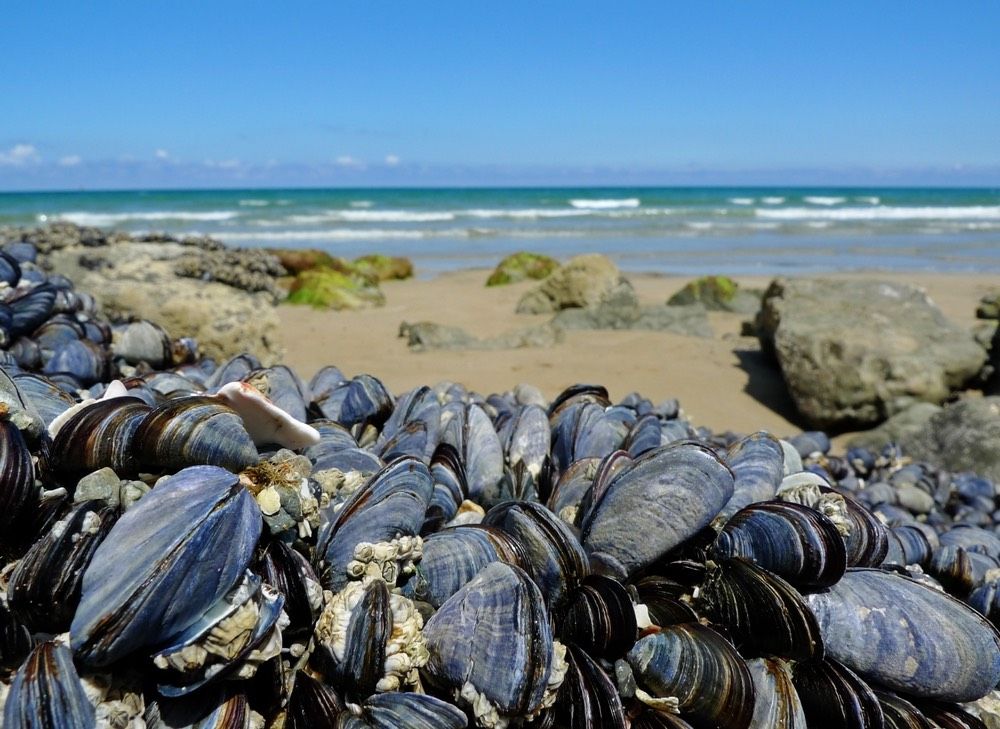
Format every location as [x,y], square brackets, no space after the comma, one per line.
[766,385]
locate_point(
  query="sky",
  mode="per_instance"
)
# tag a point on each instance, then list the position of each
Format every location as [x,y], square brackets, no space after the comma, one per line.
[238,94]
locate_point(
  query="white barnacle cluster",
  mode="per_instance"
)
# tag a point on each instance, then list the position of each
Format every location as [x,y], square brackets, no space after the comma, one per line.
[385,560]
[406,652]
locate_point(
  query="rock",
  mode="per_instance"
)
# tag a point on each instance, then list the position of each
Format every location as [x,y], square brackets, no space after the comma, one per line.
[139,281]
[385,268]
[520,267]
[856,352]
[247,269]
[297,260]
[327,288]
[897,429]
[962,436]
[717,293]
[585,281]
[989,306]
[689,320]
[424,336]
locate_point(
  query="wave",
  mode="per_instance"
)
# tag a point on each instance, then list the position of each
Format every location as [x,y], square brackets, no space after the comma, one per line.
[361,216]
[336,234]
[106,219]
[871,200]
[254,203]
[884,212]
[526,213]
[741,200]
[627,202]
[361,203]
[772,200]
[823,200]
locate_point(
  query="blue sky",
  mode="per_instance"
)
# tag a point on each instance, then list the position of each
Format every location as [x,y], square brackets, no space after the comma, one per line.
[374,93]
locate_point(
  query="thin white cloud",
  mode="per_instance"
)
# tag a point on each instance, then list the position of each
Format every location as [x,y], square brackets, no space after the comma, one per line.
[347,160]
[391,160]
[20,154]
[223,164]
[70,160]
[161,154]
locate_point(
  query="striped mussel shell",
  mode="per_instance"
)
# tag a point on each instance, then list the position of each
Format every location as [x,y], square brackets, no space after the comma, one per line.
[700,670]
[412,428]
[986,599]
[662,598]
[312,703]
[233,369]
[777,704]
[195,430]
[588,697]
[491,644]
[46,692]
[468,428]
[83,359]
[283,387]
[453,556]
[20,410]
[833,695]
[960,571]
[662,499]
[237,633]
[356,403]
[951,716]
[450,487]
[208,709]
[909,638]
[527,439]
[556,560]
[599,618]
[166,561]
[571,487]
[402,711]
[16,640]
[98,436]
[369,640]
[377,529]
[49,399]
[909,545]
[59,330]
[793,541]
[290,573]
[972,539]
[18,494]
[900,713]
[44,588]
[645,434]
[29,309]
[758,465]
[763,613]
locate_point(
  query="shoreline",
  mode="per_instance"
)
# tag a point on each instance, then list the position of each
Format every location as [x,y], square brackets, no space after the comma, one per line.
[723,382]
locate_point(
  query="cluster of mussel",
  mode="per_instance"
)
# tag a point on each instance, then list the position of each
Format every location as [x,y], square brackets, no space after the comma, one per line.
[229,546]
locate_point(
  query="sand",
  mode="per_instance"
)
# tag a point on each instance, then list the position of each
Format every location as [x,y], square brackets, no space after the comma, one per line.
[723,382]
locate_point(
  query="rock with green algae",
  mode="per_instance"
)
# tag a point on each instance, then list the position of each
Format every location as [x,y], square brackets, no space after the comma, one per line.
[385,268]
[716,293]
[297,260]
[522,266]
[328,288]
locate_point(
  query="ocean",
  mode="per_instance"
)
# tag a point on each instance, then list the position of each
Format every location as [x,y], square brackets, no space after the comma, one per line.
[690,231]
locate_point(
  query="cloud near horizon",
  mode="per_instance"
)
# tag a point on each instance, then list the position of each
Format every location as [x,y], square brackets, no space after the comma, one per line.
[20,154]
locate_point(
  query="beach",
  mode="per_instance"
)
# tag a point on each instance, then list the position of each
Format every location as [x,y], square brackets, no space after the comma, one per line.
[723,382]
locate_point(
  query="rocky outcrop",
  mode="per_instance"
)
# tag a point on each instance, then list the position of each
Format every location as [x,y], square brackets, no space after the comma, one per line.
[687,320]
[717,293]
[963,436]
[522,266]
[900,428]
[856,352]
[329,288]
[989,306]
[385,268]
[424,336]
[219,297]
[584,281]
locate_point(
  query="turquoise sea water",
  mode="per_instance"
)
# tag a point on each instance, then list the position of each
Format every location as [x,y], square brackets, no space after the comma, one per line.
[681,230]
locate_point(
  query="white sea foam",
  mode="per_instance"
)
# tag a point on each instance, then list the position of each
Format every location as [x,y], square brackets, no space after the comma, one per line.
[361,203]
[254,203]
[871,200]
[741,200]
[362,216]
[885,212]
[819,224]
[772,200]
[823,200]
[525,213]
[699,225]
[627,202]
[106,219]
[335,234]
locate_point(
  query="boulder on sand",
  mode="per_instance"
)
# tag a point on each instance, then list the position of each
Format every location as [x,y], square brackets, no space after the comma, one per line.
[856,352]
[584,281]
[717,293]
[522,266]
[963,436]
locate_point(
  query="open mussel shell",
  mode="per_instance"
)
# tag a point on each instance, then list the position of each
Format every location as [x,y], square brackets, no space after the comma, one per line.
[665,497]
[793,541]
[468,428]
[492,644]
[763,613]
[44,588]
[777,703]
[453,556]
[599,618]
[98,436]
[402,711]
[758,465]
[556,561]
[18,494]
[195,430]
[699,668]
[168,559]
[46,692]
[833,696]
[290,573]
[588,697]
[908,637]
[391,505]
[900,713]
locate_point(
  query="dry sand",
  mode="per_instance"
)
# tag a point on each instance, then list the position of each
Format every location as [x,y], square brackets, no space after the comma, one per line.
[722,382]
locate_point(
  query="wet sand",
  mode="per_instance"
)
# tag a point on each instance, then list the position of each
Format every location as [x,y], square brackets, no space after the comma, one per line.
[723,382]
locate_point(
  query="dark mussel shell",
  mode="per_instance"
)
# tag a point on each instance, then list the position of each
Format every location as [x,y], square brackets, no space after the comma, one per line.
[777,703]
[469,429]
[949,716]
[588,697]
[900,713]
[168,559]
[762,612]
[18,494]
[312,703]
[16,640]
[46,692]
[220,709]
[758,464]
[290,573]
[908,637]
[701,670]
[98,436]
[142,341]
[403,711]
[665,497]
[793,541]
[835,698]
[599,618]
[356,403]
